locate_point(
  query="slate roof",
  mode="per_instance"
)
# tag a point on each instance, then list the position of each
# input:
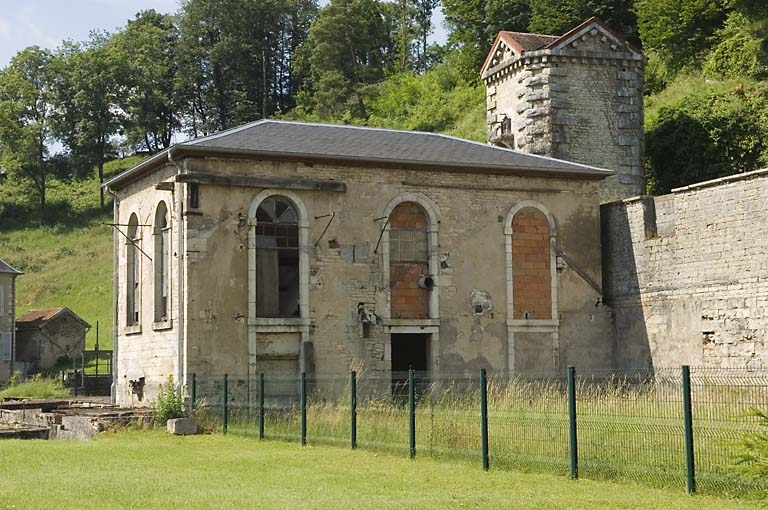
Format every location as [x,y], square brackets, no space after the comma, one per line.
[35,319]
[355,145]
[7,268]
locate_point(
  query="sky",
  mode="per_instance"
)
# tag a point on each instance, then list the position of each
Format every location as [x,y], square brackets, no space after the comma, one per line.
[46,23]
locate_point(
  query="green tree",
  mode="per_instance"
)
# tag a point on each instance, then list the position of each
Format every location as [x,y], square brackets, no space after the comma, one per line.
[87,91]
[349,47]
[473,25]
[235,59]
[680,31]
[558,16]
[26,106]
[145,54]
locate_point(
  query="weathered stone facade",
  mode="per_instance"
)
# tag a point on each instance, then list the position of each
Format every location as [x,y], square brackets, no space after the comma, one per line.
[348,276]
[577,97]
[686,274]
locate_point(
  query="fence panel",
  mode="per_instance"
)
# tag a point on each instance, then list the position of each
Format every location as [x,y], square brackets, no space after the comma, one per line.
[630,423]
[528,421]
[721,399]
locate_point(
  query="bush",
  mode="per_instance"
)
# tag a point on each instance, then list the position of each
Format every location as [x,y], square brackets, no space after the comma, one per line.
[169,403]
[754,455]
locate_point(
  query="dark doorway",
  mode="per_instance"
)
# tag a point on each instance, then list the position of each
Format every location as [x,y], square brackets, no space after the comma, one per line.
[409,352]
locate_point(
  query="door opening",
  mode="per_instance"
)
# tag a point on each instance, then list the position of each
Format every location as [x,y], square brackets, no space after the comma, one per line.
[409,352]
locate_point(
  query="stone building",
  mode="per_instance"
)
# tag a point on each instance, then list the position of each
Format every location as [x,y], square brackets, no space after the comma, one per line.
[7,323]
[577,97]
[285,247]
[45,336]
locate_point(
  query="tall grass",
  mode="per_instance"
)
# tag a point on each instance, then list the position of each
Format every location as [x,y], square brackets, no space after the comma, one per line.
[37,387]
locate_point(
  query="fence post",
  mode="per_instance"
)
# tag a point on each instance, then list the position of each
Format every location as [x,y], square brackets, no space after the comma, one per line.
[303,409]
[353,409]
[690,467]
[572,436]
[225,413]
[261,405]
[484,418]
[411,414]
[193,396]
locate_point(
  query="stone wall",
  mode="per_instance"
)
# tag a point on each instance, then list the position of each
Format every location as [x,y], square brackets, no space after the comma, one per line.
[687,274]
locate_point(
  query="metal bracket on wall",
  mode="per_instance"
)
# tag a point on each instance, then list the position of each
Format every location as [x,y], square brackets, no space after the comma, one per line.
[381,234]
[584,276]
[115,225]
[332,215]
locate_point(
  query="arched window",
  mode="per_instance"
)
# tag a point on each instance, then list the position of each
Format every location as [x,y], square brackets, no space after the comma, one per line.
[132,273]
[531,265]
[277,258]
[162,235]
[409,261]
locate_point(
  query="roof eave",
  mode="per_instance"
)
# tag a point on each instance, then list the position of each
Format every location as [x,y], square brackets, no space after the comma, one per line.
[589,172]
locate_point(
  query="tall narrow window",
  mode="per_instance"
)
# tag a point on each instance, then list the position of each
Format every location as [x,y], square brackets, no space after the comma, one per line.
[408,261]
[2,300]
[531,270]
[132,272]
[277,258]
[162,235]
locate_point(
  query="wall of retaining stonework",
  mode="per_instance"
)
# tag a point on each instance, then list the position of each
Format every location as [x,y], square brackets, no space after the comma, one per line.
[687,274]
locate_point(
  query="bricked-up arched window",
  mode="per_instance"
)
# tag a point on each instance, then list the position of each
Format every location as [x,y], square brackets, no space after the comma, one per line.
[277,258]
[531,265]
[162,235]
[132,273]
[408,261]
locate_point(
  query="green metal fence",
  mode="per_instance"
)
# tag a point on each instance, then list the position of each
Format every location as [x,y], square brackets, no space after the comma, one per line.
[666,427]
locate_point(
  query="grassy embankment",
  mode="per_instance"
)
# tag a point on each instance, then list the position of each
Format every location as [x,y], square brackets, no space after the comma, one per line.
[67,262]
[153,470]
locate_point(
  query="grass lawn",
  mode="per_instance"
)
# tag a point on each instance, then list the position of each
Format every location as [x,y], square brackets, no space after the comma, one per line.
[153,470]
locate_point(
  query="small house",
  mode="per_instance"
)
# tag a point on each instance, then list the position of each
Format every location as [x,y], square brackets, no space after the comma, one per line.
[45,336]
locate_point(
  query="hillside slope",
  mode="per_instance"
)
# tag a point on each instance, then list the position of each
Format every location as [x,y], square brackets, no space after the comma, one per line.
[68,262]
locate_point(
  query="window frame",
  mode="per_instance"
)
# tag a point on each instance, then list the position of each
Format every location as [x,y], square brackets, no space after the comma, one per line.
[133,276]
[260,323]
[162,267]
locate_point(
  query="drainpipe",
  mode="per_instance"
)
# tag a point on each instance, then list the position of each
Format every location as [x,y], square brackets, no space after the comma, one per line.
[180,304]
[115,294]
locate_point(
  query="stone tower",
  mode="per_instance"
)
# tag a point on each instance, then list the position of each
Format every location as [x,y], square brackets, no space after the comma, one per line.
[577,97]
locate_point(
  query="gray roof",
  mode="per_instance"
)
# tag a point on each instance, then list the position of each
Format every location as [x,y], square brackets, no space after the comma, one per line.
[365,145]
[7,268]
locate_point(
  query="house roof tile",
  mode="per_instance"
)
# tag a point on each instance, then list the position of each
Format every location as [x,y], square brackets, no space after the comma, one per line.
[364,145]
